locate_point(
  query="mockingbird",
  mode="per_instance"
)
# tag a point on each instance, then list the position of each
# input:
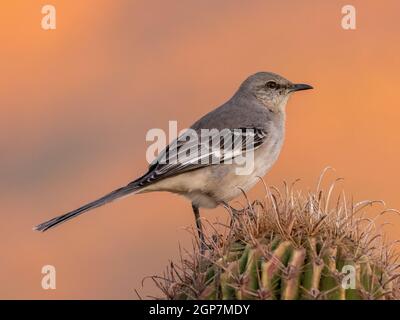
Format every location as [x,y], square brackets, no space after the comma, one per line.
[256,111]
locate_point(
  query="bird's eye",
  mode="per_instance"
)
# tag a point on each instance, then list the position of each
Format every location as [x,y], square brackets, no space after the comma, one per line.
[271,85]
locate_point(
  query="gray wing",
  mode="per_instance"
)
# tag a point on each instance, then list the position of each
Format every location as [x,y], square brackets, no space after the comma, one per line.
[187,153]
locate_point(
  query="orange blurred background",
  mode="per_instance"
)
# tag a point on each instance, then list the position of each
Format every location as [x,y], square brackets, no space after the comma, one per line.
[76,103]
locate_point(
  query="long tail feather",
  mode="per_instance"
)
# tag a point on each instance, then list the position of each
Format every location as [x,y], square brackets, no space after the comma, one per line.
[95,204]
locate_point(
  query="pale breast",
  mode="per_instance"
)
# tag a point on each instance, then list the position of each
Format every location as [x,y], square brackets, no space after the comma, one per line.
[264,158]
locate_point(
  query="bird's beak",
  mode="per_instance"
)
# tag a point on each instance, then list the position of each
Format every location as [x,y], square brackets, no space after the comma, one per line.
[300,86]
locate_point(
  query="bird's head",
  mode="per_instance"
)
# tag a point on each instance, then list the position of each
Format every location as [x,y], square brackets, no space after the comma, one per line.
[271,89]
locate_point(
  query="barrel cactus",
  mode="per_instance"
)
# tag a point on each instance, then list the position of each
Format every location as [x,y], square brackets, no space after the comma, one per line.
[286,247]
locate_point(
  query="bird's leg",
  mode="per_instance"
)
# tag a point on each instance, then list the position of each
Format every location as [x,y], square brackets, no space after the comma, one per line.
[199,228]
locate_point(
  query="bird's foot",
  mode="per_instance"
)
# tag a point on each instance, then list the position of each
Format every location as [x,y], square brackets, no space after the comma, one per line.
[234,213]
[205,247]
